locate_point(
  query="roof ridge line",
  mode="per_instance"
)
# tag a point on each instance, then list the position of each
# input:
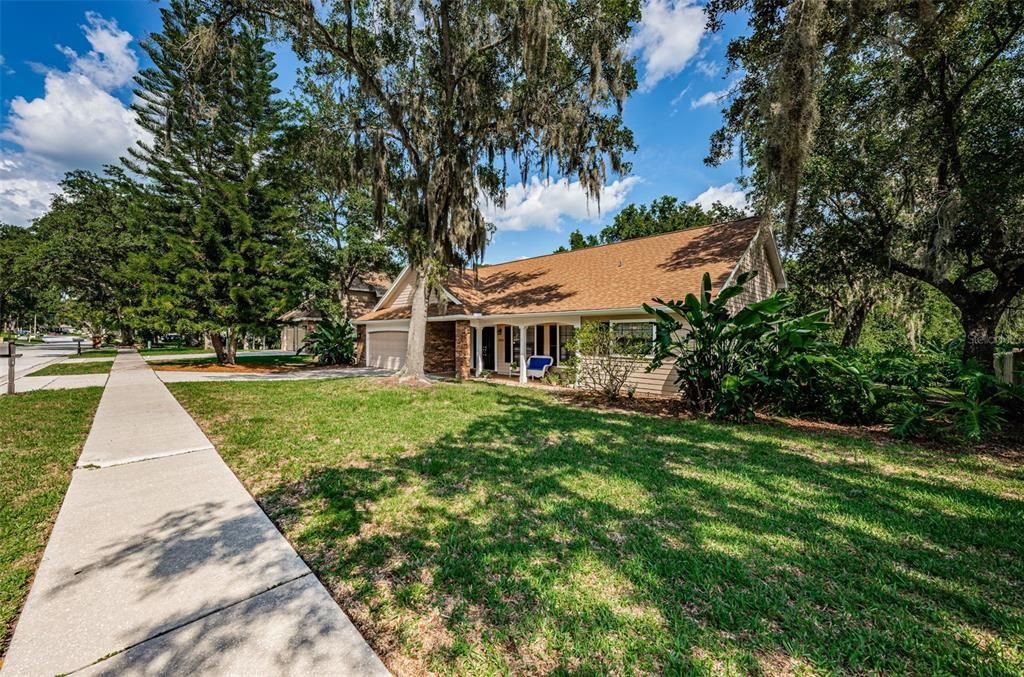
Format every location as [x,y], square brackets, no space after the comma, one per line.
[613,244]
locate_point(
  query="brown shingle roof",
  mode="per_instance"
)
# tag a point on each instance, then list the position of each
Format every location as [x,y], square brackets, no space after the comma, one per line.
[379,281]
[614,276]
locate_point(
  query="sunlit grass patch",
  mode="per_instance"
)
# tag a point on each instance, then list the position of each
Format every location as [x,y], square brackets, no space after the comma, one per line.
[480,529]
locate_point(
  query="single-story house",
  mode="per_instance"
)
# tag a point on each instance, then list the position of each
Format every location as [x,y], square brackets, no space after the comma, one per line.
[362,296]
[495,316]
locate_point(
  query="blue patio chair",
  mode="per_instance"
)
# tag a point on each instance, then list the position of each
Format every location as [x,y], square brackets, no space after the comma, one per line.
[538,365]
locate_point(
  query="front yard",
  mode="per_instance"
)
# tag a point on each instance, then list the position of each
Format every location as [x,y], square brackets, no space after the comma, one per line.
[478,528]
[255,363]
[41,435]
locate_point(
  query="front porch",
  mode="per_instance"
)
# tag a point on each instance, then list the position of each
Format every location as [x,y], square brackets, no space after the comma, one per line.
[503,348]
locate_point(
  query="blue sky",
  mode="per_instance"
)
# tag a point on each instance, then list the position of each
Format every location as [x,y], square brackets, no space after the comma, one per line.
[65,84]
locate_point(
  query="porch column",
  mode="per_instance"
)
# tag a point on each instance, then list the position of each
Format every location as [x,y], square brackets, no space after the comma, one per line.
[463,357]
[479,350]
[576,325]
[522,353]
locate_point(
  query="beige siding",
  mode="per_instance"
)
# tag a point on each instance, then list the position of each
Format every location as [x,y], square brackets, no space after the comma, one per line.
[657,383]
[764,283]
[403,298]
[661,381]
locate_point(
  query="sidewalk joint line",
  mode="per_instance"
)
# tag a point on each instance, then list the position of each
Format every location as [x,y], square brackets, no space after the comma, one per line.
[142,459]
[189,622]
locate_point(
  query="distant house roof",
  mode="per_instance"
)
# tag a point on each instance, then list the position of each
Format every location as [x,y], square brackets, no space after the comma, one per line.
[613,276]
[301,314]
[378,283]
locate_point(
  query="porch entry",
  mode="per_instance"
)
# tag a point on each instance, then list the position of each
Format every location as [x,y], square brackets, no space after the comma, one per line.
[550,339]
[487,348]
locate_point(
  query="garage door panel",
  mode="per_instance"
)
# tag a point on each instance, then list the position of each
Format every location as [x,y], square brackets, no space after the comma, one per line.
[387,349]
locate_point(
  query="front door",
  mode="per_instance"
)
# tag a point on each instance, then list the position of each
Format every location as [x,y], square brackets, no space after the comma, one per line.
[487,348]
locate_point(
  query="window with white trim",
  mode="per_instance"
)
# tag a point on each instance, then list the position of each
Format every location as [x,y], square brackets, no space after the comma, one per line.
[635,333]
[566,334]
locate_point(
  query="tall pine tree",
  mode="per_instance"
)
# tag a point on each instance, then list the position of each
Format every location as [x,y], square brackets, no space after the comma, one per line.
[233,256]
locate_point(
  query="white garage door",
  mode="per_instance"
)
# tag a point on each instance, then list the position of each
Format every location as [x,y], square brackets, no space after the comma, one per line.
[386,349]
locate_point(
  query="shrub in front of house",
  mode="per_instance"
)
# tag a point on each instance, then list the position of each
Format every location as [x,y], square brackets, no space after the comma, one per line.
[729,362]
[603,361]
[333,342]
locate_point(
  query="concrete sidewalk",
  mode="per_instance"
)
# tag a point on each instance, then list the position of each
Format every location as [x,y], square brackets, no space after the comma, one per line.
[161,563]
[27,384]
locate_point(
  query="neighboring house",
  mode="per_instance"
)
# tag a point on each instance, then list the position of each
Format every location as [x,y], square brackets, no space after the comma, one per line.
[362,296]
[493,317]
[296,323]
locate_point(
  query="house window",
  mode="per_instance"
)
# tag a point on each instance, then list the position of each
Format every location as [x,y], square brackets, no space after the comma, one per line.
[634,334]
[566,334]
[553,341]
[515,343]
[508,345]
[530,340]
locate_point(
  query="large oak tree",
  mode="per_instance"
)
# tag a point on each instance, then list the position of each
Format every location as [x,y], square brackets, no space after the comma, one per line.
[453,94]
[898,123]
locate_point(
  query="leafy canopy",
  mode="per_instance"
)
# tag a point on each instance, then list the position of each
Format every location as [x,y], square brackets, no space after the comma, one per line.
[898,123]
[231,255]
[664,215]
[729,359]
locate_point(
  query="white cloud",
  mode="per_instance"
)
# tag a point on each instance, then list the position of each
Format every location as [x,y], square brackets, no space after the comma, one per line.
[25,188]
[729,194]
[667,38]
[111,63]
[711,69]
[545,203]
[76,124]
[4,67]
[679,97]
[710,98]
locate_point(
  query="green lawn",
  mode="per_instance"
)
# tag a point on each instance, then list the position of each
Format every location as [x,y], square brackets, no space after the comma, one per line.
[74,368]
[41,435]
[172,350]
[98,352]
[244,360]
[482,529]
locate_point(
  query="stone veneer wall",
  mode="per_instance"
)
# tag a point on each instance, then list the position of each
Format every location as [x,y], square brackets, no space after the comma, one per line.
[439,353]
[463,349]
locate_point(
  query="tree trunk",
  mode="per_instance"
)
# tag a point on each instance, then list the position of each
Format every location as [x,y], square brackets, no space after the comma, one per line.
[855,322]
[979,336]
[413,370]
[218,347]
[225,350]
